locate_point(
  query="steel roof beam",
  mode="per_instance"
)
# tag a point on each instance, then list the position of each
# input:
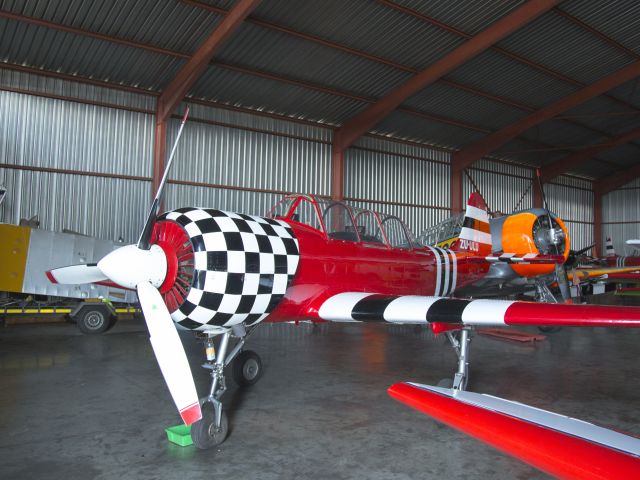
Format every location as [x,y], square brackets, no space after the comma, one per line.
[178,87]
[357,126]
[479,149]
[612,182]
[288,31]
[551,171]
[507,53]
[191,71]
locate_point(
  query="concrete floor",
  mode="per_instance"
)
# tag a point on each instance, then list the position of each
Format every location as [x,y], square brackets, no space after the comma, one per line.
[94,407]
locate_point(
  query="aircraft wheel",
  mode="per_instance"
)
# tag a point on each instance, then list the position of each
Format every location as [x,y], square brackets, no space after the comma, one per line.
[549,329]
[204,432]
[247,368]
[94,320]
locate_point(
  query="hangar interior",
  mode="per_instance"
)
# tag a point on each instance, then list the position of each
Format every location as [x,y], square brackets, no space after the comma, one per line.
[404,107]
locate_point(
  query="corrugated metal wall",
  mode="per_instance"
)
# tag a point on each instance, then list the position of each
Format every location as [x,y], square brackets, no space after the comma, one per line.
[408,181]
[504,187]
[621,215]
[228,159]
[40,132]
[220,147]
[510,187]
[572,200]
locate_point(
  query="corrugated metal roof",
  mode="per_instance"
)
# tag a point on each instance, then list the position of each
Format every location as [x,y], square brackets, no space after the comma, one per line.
[470,16]
[555,42]
[162,23]
[559,133]
[364,25]
[48,49]
[592,169]
[441,99]
[264,49]
[499,75]
[239,89]
[529,153]
[409,127]
[619,20]
[375,29]
[622,155]
[628,92]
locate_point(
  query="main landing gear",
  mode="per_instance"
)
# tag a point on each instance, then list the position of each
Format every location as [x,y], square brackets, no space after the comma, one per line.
[543,294]
[213,427]
[460,342]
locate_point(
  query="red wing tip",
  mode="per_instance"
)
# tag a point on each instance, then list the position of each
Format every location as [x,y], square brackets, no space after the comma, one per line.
[50,276]
[191,414]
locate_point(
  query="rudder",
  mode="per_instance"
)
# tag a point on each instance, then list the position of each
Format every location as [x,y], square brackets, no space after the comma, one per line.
[475,236]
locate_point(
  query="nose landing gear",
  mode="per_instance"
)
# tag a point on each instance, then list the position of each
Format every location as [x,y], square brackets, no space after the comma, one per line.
[212,429]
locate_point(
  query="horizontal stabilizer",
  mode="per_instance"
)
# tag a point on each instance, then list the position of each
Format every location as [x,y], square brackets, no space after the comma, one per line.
[561,446]
[515,258]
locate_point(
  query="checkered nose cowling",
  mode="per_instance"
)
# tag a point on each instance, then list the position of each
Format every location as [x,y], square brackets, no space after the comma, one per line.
[242,266]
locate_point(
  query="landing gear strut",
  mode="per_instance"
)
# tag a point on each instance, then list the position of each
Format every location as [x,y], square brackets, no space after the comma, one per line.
[460,343]
[213,427]
[543,294]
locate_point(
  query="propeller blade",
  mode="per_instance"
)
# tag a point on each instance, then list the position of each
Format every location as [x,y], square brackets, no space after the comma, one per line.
[76,274]
[145,236]
[583,250]
[169,352]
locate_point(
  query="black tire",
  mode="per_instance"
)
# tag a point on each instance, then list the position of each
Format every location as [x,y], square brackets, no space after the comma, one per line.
[94,320]
[204,433]
[549,329]
[247,368]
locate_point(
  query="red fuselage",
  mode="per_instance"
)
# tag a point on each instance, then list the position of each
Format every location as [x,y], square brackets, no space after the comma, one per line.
[329,266]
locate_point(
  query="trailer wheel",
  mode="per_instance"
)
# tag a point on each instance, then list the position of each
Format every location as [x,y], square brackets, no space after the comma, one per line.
[94,320]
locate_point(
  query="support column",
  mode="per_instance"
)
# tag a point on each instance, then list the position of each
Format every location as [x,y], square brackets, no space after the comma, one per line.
[597,223]
[537,195]
[159,153]
[337,173]
[456,190]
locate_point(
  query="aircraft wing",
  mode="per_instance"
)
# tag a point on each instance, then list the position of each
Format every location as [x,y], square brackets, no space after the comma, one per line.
[561,446]
[450,313]
[614,274]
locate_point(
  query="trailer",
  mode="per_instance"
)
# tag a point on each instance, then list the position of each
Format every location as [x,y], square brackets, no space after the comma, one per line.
[26,254]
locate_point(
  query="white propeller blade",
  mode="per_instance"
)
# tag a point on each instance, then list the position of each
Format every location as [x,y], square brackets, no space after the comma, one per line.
[169,353]
[76,274]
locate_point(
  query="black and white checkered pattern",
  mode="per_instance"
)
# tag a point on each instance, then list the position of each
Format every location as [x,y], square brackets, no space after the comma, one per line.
[243,266]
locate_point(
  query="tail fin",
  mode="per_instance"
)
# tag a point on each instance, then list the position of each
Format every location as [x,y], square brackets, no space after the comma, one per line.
[475,236]
[609,251]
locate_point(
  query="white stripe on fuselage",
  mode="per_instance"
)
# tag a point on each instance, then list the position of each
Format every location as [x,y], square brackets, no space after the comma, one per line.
[475,235]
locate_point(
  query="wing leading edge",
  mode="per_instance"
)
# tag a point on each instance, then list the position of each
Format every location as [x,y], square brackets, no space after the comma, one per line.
[458,313]
[561,446]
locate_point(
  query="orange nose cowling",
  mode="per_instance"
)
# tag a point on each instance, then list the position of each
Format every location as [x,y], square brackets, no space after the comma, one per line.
[517,237]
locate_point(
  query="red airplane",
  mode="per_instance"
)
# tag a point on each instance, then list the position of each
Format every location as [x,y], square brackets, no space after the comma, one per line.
[221,274]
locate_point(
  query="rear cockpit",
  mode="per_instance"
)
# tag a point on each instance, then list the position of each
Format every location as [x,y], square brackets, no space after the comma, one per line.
[340,221]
